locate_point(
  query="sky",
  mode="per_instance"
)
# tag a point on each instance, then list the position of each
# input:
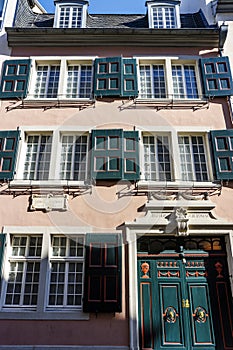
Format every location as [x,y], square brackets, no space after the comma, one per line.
[106,6]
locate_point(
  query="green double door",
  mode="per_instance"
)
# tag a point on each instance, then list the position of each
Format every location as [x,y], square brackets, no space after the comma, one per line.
[175,308]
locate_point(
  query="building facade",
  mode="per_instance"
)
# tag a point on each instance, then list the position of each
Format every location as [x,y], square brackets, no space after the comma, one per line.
[116,171]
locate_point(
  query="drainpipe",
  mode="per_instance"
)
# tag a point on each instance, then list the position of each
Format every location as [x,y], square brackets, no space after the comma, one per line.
[223,29]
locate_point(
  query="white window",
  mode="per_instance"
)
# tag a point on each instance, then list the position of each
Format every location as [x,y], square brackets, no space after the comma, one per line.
[54,155]
[157,161]
[66,271]
[71,14]
[152,81]
[47,80]
[164,17]
[193,158]
[79,81]
[184,81]
[24,271]
[172,156]
[73,160]
[44,274]
[164,14]
[38,154]
[61,79]
[167,78]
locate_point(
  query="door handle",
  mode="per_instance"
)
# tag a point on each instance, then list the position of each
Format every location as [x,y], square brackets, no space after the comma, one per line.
[170,315]
[200,315]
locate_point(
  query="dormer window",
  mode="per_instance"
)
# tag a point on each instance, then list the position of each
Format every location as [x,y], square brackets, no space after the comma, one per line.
[163,14]
[70,14]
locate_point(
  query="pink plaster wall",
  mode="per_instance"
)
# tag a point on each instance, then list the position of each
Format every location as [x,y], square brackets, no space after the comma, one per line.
[103,330]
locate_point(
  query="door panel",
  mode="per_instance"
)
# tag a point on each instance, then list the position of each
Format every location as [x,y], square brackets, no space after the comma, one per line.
[146,315]
[201,323]
[170,296]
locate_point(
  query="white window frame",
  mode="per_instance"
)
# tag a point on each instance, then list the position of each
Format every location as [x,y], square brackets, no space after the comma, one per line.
[173,134]
[155,135]
[167,63]
[41,310]
[164,4]
[3,14]
[64,63]
[55,158]
[190,135]
[74,135]
[71,5]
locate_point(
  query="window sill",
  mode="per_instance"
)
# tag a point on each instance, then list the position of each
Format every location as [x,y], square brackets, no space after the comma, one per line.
[29,187]
[176,185]
[8,314]
[169,103]
[47,103]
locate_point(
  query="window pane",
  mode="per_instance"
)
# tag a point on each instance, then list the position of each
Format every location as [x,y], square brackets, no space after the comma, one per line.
[23,279]
[152,81]
[66,276]
[73,161]
[79,81]
[178,82]
[157,163]
[37,162]
[190,81]
[192,158]
[184,81]
[47,81]
[159,81]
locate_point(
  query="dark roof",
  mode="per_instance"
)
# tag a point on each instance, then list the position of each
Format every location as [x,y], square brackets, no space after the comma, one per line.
[26,18]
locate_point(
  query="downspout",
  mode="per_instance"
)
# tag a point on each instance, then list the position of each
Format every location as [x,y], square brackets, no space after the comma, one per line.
[223,30]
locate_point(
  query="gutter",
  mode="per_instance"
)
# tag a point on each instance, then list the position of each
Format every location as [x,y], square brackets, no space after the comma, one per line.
[54,37]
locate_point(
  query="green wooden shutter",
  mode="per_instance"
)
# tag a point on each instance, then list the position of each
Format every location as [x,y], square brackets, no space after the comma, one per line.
[2,246]
[129,78]
[102,287]
[222,146]
[15,78]
[216,74]
[107,154]
[131,156]
[107,76]
[8,150]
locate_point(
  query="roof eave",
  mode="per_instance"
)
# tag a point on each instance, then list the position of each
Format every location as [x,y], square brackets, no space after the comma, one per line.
[54,37]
